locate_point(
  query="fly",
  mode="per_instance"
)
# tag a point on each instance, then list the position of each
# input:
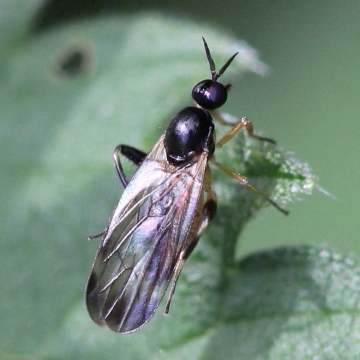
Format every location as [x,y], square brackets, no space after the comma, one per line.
[163,211]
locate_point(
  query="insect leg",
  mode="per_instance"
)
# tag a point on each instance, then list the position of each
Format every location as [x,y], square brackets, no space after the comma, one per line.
[209,208]
[244,181]
[134,155]
[243,123]
[208,212]
[183,256]
[91,237]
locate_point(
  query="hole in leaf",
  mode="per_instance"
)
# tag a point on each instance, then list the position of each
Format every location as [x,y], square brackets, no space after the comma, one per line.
[72,63]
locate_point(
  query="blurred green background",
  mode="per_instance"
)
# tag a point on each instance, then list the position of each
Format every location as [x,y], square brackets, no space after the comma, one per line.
[309,103]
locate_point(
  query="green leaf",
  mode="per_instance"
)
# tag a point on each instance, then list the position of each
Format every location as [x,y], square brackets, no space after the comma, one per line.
[15,19]
[290,303]
[68,97]
[285,303]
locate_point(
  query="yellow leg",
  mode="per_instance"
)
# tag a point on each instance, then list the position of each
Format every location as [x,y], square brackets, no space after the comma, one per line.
[244,181]
[207,213]
[242,123]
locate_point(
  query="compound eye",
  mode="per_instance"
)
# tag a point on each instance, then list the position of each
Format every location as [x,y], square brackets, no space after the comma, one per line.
[209,94]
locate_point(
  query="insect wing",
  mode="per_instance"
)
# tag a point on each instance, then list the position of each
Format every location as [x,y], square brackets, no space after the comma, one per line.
[146,236]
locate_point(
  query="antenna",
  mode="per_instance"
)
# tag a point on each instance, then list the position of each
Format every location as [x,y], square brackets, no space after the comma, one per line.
[215,75]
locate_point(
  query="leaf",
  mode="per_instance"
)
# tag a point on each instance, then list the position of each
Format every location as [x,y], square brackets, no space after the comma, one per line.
[290,303]
[285,303]
[14,24]
[67,98]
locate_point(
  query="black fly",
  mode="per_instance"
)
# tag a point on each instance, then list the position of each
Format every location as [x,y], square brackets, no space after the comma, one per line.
[163,211]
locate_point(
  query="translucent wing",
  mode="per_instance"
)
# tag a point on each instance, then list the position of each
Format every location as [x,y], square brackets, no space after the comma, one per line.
[146,236]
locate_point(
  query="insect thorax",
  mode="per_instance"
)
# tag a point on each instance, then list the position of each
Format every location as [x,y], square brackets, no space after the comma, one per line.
[190,133]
